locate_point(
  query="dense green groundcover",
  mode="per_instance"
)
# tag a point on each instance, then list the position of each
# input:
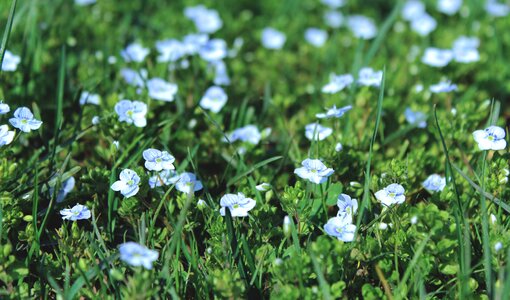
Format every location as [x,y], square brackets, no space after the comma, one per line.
[454,243]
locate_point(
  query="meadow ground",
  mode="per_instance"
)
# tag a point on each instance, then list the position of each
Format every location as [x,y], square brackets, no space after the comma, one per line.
[294,149]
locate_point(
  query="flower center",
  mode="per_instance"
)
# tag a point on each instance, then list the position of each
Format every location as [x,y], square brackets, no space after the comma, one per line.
[235,205]
[392,195]
[130,182]
[159,160]
[313,170]
[76,213]
[129,113]
[339,229]
[24,121]
[490,138]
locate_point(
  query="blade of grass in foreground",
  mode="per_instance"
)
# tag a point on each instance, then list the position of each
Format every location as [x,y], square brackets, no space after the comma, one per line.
[7,33]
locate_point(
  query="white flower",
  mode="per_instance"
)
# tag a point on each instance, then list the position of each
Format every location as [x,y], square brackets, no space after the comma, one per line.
[334,112]
[238,205]
[436,57]
[369,77]
[392,194]
[316,37]
[263,187]
[89,98]
[159,89]
[95,120]
[413,9]
[493,218]
[248,133]
[362,27]
[416,118]
[78,212]
[443,87]
[341,227]
[24,120]
[156,160]
[414,220]
[333,18]
[188,183]
[272,38]
[10,62]
[137,255]
[498,246]
[6,136]
[134,52]
[214,99]
[338,147]
[4,108]
[315,131]
[84,2]
[449,7]
[314,170]
[383,226]
[434,183]
[132,112]
[337,83]
[128,183]
[491,138]
[424,24]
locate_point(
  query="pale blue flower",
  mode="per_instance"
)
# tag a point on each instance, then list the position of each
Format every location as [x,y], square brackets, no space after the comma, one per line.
[465,49]
[368,77]
[334,112]
[193,42]
[165,177]
[78,212]
[248,133]
[272,38]
[188,183]
[315,131]
[134,52]
[316,37]
[333,18]
[413,9]
[424,24]
[337,83]
[214,50]
[314,171]
[238,205]
[214,99]
[24,120]
[417,118]
[436,57]
[206,20]
[66,188]
[392,194]
[449,7]
[497,9]
[133,77]
[491,138]
[443,87]
[156,160]
[137,255]
[89,98]
[170,50]
[362,27]
[346,205]
[10,62]
[4,108]
[95,120]
[159,89]
[84,2]
[341,227]
[334,3]
[338,147]
[6,136]
[263,187]
[220,73]
[132,112]
[434,183]
[128,183]
[498,246]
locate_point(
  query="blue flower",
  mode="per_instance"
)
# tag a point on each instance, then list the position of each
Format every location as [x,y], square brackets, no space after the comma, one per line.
[436,57]
[314,171]
[214,99]
[4,108]
[423,24]
[89,98]
[137,255]
[6,136]
[220,73]
[491,138]
[156,160]
[333,18]
[443,87]
[159,89]
[334,3]
[165,177]
[337,83]
[346,205]
[316,37]
[238,205]
[497,9]
[206,20]
[369,77]
[362,27]
[78,212]
[24,120]
[272,38]
[392,194]
[413,9]
[341,227]
[10,62]
[465,49]
[128,183]
[188,183]
[248,133]
[66,188]
[449,7]
[193,42]
[434,183]
[315,131]
[416,118]
[134,52]
[170,50]
[132,112]
[133,77]
[334,112]
[214,50]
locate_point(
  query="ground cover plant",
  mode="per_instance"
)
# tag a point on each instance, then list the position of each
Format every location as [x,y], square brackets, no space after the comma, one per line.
[314,149]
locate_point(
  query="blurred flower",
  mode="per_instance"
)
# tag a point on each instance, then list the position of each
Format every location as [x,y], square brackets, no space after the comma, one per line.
[338,147]
[369,77]
[78,212]
[362,27]
[498,246]
[315,131]
[346,205]
[137,255]
[334,3]
[383,226]
[341,228]
[128,183]
[156,160]
[214,99]
[497,9]
[443,87]
[493,219]
[188,183]
[89,98]
[170,50]
[206,20]
[132,112]
[165,177]
[10,62]
[337,83]
[193,42]
[414,220]
[66,188]
[6,136]
[434,183]
[334,112]
[159,89]
[436,57]
[238,205]
[449,7]
[248,133]
[133,77]
[263,187]
[316,37]
[314,171]
[272,38]
[213,50]
[491,138]
[423,24]
[116,144]
[333,18]
[4,108]
[84,2]
[24,120]
[413,9]
[134,52]
[220,73]
[392,194]
[465,49]
[416,118]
